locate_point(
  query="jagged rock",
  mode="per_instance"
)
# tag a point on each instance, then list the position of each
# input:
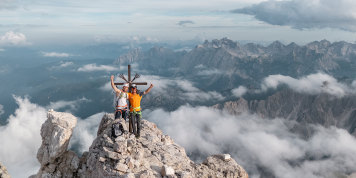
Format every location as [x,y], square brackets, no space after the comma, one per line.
[225,157]
[121,167]
[217,167]
[3,172]
[167,171]
[129,175]
[53,156]
[152,155]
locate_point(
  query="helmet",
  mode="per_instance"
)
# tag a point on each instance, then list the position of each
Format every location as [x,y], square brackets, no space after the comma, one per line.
[133,86]
[126,85]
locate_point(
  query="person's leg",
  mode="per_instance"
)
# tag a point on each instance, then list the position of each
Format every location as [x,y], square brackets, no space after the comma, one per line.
[130,123]
[117,114]
[124,114]
[133,119]
[138,123]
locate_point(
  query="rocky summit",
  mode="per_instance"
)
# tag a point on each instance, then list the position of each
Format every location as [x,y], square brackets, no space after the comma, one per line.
[152,155]
[3,172]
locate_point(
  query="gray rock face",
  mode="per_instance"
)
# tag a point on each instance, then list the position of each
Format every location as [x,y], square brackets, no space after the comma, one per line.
[152,155]
[320,109]
[55,159]
[3,172]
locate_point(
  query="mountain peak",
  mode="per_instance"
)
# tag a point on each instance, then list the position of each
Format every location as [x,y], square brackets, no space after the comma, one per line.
[276,44]
[152,155]
[3,172]
[224,42]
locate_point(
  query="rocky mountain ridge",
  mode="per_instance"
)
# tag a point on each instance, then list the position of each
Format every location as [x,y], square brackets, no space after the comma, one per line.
[152,155]
[322,109]
[226,62]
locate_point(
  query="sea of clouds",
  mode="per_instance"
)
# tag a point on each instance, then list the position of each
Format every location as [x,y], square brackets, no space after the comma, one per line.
[252,141]
[255,143]
[260,143]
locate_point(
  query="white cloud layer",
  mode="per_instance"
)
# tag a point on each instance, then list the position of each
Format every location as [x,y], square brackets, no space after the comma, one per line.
[240,91]
[256,142]
[85,132]
[184,88]
[55,54]
[20,138]
[311,84]
[13,38]
[302,14]
[94,67]
[68,105]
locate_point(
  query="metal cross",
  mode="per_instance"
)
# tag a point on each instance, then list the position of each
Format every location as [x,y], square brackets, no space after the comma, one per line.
[129,78]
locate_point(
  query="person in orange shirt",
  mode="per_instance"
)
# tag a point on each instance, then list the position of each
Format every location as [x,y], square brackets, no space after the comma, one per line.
[135,108]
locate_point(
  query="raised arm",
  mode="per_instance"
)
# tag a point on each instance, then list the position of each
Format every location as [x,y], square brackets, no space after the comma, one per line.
[113,85]
[148,89]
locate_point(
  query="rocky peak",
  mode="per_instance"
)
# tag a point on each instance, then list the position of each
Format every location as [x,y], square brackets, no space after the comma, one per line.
[152,155]
[276,47]
[224,42]
[3,172]
[319,46]
[130,57]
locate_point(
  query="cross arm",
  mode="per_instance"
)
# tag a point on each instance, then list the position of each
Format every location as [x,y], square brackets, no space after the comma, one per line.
[137,83]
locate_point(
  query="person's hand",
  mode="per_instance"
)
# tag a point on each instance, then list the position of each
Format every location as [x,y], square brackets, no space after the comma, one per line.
[151,86]
[112,77]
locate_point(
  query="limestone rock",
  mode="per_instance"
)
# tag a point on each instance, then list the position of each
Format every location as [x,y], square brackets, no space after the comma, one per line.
[3,172]
[53,156]
[152,155]
[167,171]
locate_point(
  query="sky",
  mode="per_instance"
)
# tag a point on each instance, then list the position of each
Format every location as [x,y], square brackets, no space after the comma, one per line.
[34,22]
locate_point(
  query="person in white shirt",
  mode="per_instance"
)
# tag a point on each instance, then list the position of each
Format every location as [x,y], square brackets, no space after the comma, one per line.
[121,100]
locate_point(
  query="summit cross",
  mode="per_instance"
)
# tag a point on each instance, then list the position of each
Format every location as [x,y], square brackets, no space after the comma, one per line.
[129,78]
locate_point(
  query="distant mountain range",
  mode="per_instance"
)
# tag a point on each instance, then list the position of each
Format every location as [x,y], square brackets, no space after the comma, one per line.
[227,63]
[222,65]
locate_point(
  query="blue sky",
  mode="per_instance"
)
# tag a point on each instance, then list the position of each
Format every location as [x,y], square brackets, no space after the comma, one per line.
[54,21]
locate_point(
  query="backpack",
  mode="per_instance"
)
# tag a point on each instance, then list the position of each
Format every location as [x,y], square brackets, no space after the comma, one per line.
[117,130]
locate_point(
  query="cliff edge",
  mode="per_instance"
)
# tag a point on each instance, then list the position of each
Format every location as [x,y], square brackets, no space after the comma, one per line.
[152,155]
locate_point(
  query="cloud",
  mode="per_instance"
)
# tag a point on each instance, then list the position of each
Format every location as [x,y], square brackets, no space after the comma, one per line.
[192,93]
[207,72]
[85,132]
[13,38]
[185,22]
[182,89]
[68,105]
[20,138]
[259,143]
[305,14]
[55,54]
[94,67]
[7,4]
[61,65]
[311,84]
[240,91]
[65,64]
[1,49]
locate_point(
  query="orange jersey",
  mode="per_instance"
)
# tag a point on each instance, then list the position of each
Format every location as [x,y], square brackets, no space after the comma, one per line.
[135,101]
